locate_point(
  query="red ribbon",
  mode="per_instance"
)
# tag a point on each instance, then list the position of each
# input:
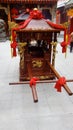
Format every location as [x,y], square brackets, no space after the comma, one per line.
[14,45]
[56,26]
[63,45]
[61,81]
[60,27]
[36,14]
[33,81]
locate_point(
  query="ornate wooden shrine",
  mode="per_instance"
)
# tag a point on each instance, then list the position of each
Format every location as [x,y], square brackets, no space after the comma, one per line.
[37,41]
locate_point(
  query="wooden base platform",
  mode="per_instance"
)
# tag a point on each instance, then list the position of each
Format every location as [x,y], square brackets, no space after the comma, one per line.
[38,66]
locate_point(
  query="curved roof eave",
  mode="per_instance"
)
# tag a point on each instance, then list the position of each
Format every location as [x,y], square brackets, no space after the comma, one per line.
[41,25]
[69,4]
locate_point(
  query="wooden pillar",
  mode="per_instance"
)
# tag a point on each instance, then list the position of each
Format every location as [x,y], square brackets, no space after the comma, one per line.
[9,16]
[54,43]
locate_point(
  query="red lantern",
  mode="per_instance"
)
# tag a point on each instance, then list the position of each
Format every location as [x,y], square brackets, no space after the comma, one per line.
[14,11]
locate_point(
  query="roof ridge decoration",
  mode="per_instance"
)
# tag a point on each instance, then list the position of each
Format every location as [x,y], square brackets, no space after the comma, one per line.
[36,14]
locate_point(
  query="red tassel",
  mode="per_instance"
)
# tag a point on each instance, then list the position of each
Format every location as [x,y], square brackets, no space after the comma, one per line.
[14,52]
[63,45]
[14,45]
[65,42]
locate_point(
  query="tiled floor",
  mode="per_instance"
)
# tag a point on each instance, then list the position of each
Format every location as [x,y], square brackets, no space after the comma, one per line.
[54,111]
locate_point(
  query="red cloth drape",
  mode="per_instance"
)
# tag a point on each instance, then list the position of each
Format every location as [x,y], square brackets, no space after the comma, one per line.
[61,81]
[56,26]
[33,81]
[14,43]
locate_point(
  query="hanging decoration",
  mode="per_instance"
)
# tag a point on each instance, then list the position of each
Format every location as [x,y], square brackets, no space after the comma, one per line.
[14,45]
[14,13]
[65,43]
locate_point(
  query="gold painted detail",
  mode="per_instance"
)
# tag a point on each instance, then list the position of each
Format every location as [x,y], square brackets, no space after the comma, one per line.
[21,50]
[37,63]
[21,46]
[12,25]
[53,43]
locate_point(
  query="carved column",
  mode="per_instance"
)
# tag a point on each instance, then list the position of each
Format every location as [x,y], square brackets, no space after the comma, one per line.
[54,44]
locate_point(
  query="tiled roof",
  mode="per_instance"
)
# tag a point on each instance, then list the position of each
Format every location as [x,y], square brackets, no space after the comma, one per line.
[69,4]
